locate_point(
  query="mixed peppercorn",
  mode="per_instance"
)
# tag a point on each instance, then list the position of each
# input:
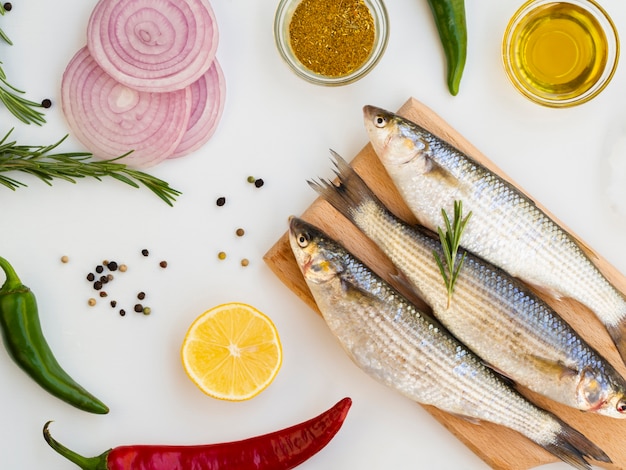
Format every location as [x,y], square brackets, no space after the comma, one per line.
[100,280]
[239,232]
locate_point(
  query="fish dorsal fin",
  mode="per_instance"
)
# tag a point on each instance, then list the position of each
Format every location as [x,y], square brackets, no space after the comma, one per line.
[591,254]
[550,367]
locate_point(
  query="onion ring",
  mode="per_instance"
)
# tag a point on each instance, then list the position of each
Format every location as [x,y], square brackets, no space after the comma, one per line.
[207,101]
[111,119]
[153,45]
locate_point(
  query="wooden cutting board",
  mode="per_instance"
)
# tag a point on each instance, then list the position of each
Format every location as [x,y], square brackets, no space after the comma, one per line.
[499,447]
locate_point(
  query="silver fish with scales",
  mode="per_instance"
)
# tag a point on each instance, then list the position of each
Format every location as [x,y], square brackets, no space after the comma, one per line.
[396,344]
[506,228]
[494,314]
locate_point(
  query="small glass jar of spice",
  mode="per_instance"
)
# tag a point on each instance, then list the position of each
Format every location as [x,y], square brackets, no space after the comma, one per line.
[331,42]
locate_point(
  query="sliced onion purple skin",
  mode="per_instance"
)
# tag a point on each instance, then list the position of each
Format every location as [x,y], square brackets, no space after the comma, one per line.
[111,119]
[147,82]
[207,98]
[153,45]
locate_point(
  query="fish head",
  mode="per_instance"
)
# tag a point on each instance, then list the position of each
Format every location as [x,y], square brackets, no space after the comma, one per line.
[598,393]
[396,140]
[314,252]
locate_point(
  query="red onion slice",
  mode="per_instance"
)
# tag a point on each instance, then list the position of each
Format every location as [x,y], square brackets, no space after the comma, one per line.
[153,45]
[111,119]
[207,101]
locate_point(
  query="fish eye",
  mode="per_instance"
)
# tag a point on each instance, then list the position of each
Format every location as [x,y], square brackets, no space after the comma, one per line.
[380,121]
[303,239]
[621,406]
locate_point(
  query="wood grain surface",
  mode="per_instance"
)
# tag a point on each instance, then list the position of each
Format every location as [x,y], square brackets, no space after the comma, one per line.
[499,447]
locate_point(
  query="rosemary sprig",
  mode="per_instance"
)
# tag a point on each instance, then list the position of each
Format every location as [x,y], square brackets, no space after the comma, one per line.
[450,242]
[24,109]
[47,165]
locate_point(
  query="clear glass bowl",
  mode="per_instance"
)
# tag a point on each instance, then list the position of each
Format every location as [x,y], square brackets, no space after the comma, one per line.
[284,14]
[578,29]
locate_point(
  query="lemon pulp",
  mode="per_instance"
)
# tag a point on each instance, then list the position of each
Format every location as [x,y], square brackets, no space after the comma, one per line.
[232,352]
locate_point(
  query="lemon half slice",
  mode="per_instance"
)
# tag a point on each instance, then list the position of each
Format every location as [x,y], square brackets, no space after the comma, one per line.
[232,352]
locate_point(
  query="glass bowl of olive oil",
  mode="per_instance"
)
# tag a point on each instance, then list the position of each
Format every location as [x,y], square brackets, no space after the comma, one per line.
[331,42]
[560,53]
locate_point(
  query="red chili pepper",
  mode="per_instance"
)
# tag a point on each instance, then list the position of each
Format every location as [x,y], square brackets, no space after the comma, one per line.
[280,450]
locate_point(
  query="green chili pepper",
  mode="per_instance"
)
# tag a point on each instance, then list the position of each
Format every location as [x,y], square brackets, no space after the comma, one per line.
[25,343]
[450,20]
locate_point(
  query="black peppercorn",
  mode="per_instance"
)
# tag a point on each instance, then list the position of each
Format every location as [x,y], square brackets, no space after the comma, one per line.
[112,266]
[221,201]
[138,308]
[259,182]
[46,103]
[97,285]
[122,312]
[99,268]
[7,6]
[145,252]
[141,295]
[90,277]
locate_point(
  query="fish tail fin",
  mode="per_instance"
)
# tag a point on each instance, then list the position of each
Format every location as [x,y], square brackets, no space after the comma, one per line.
[349,193]
[618,335]
[572,447]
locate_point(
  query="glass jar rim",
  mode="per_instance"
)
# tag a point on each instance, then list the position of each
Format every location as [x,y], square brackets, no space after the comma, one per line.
[282,20]
[613,49]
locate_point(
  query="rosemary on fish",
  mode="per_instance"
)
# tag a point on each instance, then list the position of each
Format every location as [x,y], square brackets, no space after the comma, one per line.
[450,242]
[47,165]
[23,109]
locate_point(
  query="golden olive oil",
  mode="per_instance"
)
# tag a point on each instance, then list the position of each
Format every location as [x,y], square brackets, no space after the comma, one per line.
[559,50]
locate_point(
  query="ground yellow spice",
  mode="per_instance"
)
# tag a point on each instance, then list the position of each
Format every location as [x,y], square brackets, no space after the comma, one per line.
[332,37]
